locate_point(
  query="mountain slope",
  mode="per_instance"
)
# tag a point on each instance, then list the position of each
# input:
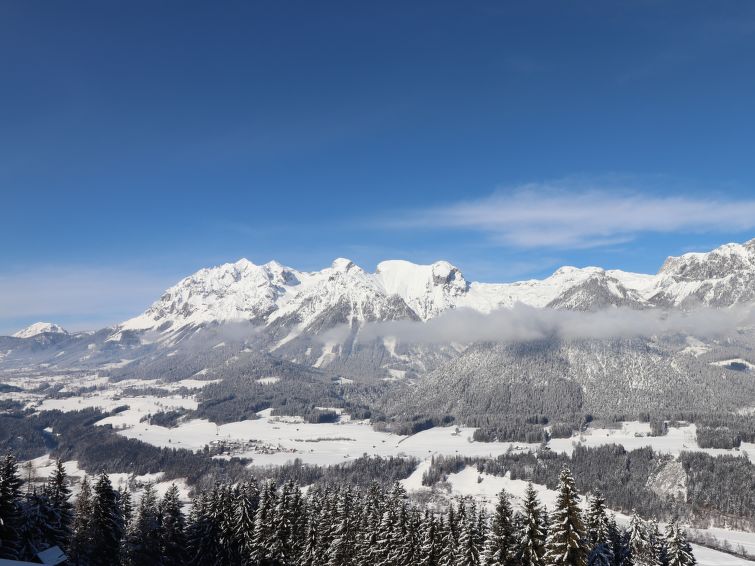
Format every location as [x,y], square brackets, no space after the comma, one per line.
[292,302]
[317,318]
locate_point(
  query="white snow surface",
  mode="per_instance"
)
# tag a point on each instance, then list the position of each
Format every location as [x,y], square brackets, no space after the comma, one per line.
[272,440]
[268,293]
[39,328]
[633,434]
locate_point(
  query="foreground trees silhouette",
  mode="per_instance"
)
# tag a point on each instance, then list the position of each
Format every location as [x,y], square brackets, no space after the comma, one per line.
[253,524]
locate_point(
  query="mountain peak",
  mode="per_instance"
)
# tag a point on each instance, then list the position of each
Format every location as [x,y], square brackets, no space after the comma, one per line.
[244,264]
[40,328]
[277,296]
[342,264]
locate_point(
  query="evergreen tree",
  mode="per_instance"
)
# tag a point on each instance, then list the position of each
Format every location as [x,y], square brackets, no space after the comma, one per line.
[297,514]
[281,543]
[143,539]
[468,553]
[429,548]
[59,494]
[264,525]
[601,553]
[310,555]
[619,550]
[106,524]
[566,539]
[10,508]
[384,549]
[126,506]
[328,519]
[531,544]
[399,547]
[172,525]
[641,551]
[203,531]
[449,539]
[225,509]
[597,520]
[657,544]
[482,528]
[80,547]
[500,548]
[369,523]
[342,547]
[246,508]
[248,526]
[38,526]
[678,549]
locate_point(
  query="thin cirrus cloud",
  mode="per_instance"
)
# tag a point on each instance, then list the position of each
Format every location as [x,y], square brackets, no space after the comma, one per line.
[544,216]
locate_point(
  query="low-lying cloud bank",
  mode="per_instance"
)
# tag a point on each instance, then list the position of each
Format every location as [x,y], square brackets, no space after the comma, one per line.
[527,323]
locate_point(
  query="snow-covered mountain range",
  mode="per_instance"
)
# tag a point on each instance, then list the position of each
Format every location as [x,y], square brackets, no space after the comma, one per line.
[241,319]
[305,302]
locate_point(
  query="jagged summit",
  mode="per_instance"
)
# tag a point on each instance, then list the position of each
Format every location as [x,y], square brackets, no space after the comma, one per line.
[299,302]
[40,328]
[721,277]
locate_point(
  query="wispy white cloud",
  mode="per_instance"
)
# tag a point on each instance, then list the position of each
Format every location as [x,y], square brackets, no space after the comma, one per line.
[568,215]
[77,297]
[522,323]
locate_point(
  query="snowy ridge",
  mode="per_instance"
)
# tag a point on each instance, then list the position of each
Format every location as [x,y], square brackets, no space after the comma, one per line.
[229,292]
[40,328]
[721,277]
[293,301]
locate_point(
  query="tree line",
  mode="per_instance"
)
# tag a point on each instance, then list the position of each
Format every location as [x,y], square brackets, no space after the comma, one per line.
[717,489]
[254,523]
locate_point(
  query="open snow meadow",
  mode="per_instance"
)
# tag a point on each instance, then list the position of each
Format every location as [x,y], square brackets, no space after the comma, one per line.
[271,440]
[276,440]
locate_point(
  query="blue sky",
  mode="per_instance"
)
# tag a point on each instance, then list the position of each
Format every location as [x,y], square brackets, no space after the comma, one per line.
[140,141]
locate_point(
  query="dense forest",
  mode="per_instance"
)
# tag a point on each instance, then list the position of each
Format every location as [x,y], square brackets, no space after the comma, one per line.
[260,523]
[718,489]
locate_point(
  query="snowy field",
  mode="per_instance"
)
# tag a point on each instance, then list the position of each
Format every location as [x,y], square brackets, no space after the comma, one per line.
[272,440]
[635,434]
[278,440]
[43,467]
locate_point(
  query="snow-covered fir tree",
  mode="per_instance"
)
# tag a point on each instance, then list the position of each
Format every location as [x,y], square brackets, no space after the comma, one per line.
[566,544]
[203,530]
[501,546]
[678,550]
[172,529]
[597,523]
[80,547]
[467,553]
[264,521]
[58,494]
[531,543]
[641,549]
[657,543]
[106,524]
[10,508]
[143,546]
[429,547]
[344,539]
[248,498]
